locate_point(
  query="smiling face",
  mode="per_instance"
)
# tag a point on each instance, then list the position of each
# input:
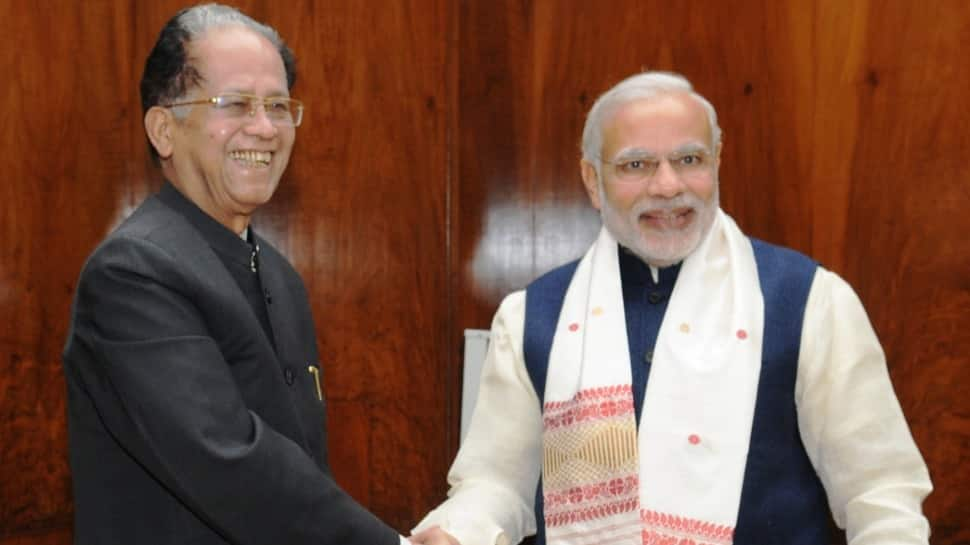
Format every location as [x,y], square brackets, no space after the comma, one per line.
[228,166]
[662,217]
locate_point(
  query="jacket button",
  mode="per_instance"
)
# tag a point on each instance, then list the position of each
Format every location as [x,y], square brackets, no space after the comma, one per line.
[648,356]
[288,375]
[655,297]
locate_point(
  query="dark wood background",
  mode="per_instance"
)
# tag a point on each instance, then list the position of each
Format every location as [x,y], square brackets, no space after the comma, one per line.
[437,170]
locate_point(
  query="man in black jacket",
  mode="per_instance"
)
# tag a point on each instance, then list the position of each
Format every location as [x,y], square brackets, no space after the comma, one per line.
[195,408]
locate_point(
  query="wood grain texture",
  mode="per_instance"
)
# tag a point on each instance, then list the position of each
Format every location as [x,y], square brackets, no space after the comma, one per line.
[906,248]
[67,138]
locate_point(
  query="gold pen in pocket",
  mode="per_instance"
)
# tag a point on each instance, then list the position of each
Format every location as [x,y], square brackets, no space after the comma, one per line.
[316,380]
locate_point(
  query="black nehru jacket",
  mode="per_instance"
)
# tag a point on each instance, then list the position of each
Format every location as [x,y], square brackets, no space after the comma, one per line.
[192,413]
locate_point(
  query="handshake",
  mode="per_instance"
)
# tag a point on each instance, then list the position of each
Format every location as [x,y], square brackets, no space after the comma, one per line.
[433,536]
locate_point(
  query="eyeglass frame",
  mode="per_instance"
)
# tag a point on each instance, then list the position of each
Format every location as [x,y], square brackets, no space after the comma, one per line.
[253,100]
[629,156]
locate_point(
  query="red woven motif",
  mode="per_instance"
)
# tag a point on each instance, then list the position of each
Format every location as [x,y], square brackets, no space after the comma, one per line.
[590,512]
[591,394]
[607,490]
[593,404]
[665,529]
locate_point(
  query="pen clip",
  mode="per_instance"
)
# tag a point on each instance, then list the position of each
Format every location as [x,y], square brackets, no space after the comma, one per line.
[316,380]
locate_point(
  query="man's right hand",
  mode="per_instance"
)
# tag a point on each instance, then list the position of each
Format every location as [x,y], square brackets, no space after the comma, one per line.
[433,536]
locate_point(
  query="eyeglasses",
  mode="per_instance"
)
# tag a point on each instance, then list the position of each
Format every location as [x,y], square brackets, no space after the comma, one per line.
[638,167]
[281,111]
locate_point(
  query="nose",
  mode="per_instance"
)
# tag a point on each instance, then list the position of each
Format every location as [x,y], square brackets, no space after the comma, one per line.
[259,124]
[665,182]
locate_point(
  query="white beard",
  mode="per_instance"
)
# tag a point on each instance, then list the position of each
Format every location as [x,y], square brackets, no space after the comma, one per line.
[660,249]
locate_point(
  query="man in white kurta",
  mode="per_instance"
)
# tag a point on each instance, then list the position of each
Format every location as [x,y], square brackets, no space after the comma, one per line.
[680,458]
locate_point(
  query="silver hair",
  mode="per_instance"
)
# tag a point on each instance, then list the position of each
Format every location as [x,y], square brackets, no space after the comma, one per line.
[199,19]
[639,86]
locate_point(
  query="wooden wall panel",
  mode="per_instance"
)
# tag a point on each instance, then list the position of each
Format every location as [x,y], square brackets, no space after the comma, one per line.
[906,248]
[67,159]
[845,131]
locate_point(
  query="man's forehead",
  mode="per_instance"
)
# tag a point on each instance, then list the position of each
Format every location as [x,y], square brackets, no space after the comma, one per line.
[227,51]
[665,110]
[663,122]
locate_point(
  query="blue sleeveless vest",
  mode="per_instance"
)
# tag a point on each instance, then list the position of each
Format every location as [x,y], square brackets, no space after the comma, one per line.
[782,499]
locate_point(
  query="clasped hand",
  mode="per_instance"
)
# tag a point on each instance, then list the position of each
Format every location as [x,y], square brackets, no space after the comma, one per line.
[433,536]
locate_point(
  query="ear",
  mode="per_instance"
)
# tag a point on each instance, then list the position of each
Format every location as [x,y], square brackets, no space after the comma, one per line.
[160,126]
[591,181]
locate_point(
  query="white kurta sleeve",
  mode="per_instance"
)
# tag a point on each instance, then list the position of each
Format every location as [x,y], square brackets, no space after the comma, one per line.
[852,425]
[494,476]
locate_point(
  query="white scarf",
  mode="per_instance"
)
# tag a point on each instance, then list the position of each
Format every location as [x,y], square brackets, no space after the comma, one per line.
[681,475]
